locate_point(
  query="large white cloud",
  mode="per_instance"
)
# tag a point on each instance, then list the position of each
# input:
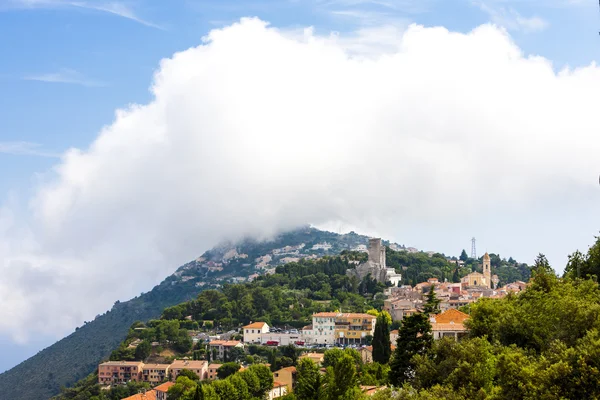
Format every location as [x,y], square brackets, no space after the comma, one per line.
[258,130]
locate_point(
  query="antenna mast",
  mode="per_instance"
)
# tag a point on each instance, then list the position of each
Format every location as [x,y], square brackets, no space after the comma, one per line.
[473,250]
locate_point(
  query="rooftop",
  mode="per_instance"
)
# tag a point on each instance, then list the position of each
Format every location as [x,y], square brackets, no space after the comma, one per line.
[164,387]
[255,325]
[225,343]
[149,395]
[452,327]
[122,363]
[189,364]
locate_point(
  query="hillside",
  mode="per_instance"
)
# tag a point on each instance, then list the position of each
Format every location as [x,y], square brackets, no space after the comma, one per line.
[75,356]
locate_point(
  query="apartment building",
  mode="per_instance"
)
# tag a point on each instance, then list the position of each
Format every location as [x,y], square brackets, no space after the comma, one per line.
[322,330]
[353,328]
[212,371]
[155,373]
[120,372]
[199,367]
[222,347]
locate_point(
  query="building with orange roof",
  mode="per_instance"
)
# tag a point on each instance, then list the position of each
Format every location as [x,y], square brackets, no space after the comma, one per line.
[222,347]
[120,372]
[287,376]
[212,371]
[149,395]
[450,323]
[253,331]
[161,390]
[353,328]
[155,373]
[199,367]
[448,316]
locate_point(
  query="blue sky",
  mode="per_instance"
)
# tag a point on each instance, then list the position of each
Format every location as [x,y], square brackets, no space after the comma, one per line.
[68,65]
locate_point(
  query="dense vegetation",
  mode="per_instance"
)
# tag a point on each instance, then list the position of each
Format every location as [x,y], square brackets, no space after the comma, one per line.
[418,267]
[288,297]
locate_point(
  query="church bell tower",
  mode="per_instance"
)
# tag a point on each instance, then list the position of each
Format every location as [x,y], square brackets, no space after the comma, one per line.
[487,270]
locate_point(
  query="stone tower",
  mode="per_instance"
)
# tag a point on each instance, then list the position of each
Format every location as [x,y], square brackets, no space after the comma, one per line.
[487,270]
[376,252]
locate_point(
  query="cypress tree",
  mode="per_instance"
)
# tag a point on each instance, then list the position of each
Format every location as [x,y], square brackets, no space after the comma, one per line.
[382,349]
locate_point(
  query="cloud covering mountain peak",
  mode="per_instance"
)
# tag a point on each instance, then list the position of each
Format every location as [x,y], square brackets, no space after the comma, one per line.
[259,130]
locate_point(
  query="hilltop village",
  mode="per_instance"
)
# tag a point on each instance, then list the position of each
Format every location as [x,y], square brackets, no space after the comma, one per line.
[208,352]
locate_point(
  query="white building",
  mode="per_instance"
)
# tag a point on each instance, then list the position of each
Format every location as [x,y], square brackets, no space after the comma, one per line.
[253,332]
[323,329]
[282,339]
[279,390]
[392,276]
[322,246]
[362,248]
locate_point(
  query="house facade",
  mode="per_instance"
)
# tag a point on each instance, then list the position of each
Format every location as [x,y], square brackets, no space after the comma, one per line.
[199,367]
[155,373]
[222,347]
[254,331]
[120,372]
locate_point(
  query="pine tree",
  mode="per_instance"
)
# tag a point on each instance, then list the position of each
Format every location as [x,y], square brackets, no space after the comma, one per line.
[382,349]
[414,337]
[463,256]
[433,303]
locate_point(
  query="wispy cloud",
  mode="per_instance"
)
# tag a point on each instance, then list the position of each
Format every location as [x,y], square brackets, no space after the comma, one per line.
[511,19]
[64,76]
[26,149]
[115,8]
[368,13]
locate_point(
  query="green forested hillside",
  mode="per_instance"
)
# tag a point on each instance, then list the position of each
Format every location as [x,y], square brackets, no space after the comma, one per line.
[76,356]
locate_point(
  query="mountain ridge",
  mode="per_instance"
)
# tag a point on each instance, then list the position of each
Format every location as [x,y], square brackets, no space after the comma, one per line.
[76,355]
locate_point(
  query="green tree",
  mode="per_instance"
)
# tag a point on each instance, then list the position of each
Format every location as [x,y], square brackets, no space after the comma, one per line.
[382,349]
[432,305]
[265,377]
[463,256]
[414,337]
[342,378]
[143,350]
[309,382]
[182,385]
[189,374]
[252,382]
[224,389]
[235,354]
[227,369]
[241,387]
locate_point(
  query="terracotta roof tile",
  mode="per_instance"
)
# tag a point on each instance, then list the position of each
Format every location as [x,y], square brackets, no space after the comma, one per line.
[164,387]
[255,325]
